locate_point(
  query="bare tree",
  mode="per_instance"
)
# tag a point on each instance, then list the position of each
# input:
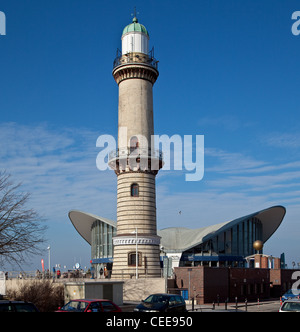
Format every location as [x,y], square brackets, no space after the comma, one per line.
[21,229]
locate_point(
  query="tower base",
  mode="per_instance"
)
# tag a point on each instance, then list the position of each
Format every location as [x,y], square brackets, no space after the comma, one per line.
[124,266]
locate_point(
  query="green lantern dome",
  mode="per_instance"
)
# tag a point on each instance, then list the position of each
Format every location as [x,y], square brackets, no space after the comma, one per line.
[135,26]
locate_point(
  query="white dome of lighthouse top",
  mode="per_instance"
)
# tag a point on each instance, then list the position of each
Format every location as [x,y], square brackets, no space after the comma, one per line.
[135,38]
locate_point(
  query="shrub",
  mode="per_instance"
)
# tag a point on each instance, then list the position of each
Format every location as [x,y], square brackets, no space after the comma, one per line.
[46,295]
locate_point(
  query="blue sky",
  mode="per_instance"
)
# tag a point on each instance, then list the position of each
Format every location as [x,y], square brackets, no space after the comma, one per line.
[229,70]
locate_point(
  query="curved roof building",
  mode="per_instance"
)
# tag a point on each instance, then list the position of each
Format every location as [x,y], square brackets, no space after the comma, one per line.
[224,244]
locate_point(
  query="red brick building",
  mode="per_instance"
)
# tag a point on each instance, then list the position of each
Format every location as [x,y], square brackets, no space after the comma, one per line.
[208,284]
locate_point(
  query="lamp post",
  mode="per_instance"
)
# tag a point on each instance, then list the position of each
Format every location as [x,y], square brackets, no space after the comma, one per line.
[49,265]
[136,255]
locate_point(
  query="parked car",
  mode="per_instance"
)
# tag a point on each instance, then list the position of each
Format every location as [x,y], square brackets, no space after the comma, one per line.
[290,305]
[290,294]
[94,305]
[17,306]
[162,303]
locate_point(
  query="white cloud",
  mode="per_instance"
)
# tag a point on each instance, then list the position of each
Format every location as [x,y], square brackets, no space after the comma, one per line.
[228,122]
[283,140]
[230,161]
[58,167]
[258,182]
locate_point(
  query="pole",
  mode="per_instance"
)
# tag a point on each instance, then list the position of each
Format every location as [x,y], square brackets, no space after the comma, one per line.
[136,255]
[189,284]
[49,265]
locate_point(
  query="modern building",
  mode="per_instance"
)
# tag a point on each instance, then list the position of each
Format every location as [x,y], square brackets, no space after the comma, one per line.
[223,245]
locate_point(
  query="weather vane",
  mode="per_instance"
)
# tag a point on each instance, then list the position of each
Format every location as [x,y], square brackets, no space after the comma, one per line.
[135,13]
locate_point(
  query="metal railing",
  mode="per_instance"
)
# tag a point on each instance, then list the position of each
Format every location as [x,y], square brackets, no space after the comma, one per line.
[135,58]
[45,275]
[131,273]
[135,153]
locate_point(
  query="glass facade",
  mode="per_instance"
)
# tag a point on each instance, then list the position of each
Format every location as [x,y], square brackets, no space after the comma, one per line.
[102,243]
[228,247]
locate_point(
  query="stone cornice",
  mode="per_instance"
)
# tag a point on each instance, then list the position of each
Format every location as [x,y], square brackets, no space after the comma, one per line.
[132,240]
[130,71]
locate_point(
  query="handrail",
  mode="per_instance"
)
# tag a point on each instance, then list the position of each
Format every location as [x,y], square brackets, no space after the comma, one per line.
[133,58]
[135,152]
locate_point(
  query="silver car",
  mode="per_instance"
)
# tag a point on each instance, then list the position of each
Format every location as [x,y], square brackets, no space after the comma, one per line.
[290,305]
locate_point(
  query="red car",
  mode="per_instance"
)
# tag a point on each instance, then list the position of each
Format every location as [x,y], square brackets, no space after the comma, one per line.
[89,306]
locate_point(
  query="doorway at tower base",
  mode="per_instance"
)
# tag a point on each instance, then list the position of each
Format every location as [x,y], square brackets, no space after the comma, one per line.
[124,266]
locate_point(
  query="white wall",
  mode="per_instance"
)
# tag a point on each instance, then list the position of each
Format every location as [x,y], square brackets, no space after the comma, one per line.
[135,42]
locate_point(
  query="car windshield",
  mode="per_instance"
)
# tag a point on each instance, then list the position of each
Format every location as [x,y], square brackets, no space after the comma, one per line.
[156,299]
[291,306]
[75,306]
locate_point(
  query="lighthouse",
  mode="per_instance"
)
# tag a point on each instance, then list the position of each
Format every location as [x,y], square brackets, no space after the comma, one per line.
[136,162]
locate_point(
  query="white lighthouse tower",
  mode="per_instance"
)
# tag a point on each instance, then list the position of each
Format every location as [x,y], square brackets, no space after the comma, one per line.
[136,163]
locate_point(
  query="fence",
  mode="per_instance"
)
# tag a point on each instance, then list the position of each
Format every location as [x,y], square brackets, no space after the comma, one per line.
[46,275]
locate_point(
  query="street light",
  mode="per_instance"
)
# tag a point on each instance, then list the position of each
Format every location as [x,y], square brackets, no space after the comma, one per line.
[136,253]
[48,248]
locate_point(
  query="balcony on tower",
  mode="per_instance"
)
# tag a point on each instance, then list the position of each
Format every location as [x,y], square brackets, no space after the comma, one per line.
[136,159]
[135,58]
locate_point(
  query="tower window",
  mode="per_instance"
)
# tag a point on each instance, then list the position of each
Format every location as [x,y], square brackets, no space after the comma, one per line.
[132,259]
[135,190]
[134,143]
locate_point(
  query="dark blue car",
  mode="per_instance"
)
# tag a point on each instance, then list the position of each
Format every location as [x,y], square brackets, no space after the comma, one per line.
[291,294]
[162,303]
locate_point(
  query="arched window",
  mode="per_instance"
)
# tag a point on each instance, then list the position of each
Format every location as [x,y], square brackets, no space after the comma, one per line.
[134,143]
[132,258]
[134,190]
